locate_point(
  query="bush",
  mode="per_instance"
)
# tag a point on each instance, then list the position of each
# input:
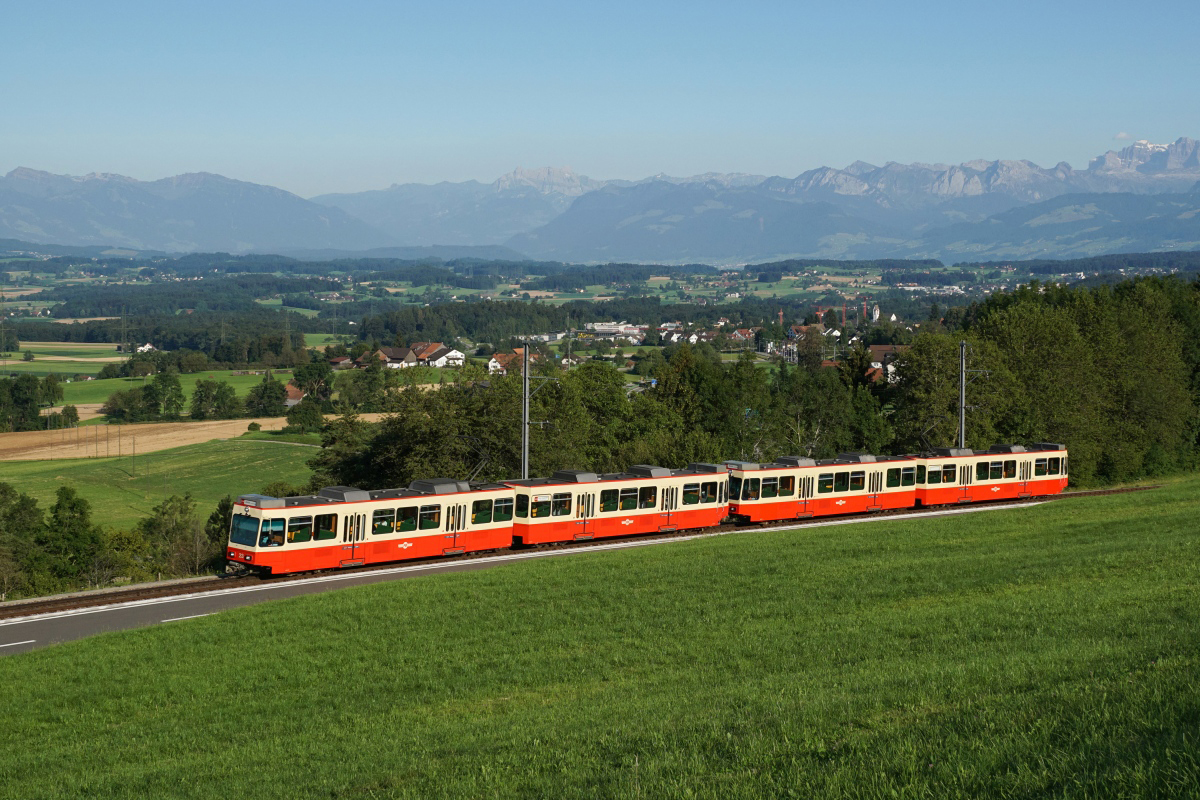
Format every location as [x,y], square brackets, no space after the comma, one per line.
[254,426]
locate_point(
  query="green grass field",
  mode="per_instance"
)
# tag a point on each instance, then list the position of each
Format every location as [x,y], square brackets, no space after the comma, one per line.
[1042,652]
[123,490]
[98,391]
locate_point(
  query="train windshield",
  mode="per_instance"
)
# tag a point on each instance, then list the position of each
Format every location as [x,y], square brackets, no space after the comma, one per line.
[244,530]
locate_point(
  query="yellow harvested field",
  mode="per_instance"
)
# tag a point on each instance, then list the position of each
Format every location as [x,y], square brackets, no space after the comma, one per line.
[99,347]
[100,441]
[19,292]
[82,359]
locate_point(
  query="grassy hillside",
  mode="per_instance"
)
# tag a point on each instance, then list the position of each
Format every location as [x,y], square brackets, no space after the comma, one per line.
[120,498]
[1051,651]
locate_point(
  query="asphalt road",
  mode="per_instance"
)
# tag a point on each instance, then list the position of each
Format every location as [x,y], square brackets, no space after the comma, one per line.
[27,633]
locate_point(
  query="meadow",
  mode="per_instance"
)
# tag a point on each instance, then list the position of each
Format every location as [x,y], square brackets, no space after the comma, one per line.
[122,491]
[1044,651]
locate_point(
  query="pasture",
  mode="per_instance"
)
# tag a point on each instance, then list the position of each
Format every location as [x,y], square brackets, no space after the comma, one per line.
[123,490]
[1045,651]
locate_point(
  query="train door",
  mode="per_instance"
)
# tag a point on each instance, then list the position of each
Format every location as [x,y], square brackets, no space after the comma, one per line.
[670,499]
[585,515]
[1024,472]
[456,520]
[805,495]
[965,477]
[874,488]
[353,533]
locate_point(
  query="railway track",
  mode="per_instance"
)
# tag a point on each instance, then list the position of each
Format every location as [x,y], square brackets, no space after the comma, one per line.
[104,597]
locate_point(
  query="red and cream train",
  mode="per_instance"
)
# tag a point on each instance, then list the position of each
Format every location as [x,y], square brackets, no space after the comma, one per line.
[341,526]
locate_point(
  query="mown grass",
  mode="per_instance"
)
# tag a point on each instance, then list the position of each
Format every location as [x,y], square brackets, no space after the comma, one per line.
[1045,652]
[99,391]
[122,491]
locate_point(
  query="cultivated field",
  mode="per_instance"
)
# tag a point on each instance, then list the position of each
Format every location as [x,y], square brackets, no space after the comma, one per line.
[122,491]
[104,441]
[1043,652]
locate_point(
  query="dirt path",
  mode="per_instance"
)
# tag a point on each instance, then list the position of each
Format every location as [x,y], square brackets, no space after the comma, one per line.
[101,441]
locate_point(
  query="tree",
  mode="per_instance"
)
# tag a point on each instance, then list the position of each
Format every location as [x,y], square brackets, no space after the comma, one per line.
[226,403]
[266,399]
[203,399]
[28,356]
[170,394]
[69,540]
[315,380]
[305,416]
[70,416]
[176,536]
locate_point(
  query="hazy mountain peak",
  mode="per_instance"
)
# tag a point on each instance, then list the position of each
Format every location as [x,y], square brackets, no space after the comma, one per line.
[1150,158]
[547,180]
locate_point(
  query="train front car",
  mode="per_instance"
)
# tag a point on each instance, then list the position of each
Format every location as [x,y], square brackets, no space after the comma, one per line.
[798,488]
[342,526]
[574,505]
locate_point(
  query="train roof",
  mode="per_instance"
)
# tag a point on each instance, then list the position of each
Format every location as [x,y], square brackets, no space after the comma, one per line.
[636,472]
[350,494]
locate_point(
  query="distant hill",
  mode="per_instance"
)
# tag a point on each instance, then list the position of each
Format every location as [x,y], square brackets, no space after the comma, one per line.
[974,209]
[185,213]
[677,223]
[493,252]
[1072,225]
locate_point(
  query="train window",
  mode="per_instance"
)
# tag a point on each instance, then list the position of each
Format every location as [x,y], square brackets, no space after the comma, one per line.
[406,519]
[787,486]
[383,521]
[921,474]
[708,492]
[540,506]
[934,476]
[271,534]
[502,511]
[299,529]
[326,526]
[1039,467]
[691,494]
[906,476]
[430,517]
[1053,465]
[750,488]
[481,512]
[997,471]
[841,481]
[825,483]
[858,481]
[893,478]
[948,473]
[735,487]
[561,505]
[648,497]
[981,471]
[244,530]
[608,500]
[1010,469]
[770,487]
[522,505]
[628,499]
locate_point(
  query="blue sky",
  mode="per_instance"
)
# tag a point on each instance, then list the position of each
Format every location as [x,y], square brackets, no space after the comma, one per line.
[321,97]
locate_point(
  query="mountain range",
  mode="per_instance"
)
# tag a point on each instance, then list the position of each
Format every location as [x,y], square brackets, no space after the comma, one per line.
[1143,197]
